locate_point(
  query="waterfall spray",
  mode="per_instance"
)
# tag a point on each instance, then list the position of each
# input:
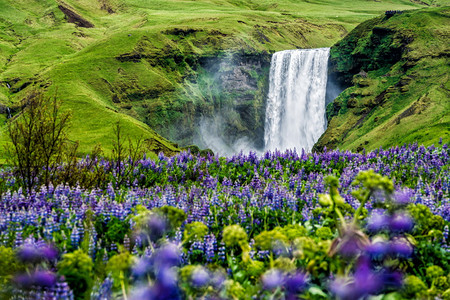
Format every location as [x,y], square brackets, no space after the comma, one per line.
[295,109]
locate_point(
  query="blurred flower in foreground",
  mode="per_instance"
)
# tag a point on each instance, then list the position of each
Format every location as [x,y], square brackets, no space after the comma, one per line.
[402,197]
[375,271]
[400,222]
[272,279]
[38,278]
[218,278]
[32,253]
[142,267]
[200,277]
[378,221]
[401,247]
[351,243]
[167,256]
[141,292]
[364,282]
[23,281]
[378,249]
[296,283]
[44,278]
[157,226]
[162,267]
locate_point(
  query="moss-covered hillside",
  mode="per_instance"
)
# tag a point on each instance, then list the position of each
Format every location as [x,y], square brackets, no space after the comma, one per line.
[145,63]
[398,70]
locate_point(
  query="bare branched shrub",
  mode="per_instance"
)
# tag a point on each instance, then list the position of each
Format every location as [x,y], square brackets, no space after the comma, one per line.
[125,155]
[38,140]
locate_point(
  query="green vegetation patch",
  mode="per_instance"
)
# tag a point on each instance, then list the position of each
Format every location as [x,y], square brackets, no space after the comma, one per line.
[397,71]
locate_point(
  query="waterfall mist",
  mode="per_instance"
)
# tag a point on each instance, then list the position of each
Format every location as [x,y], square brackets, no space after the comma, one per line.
[230,91]
[296,103]
[212,135]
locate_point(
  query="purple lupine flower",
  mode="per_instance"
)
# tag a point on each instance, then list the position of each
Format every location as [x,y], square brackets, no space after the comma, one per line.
[210,247]
[24,281]
[44,278]
[400,222]
[401,247]
[167,277]
[113,247]
[377,249]
[402,197]
[126,242]
[75,237]
[366,280]
[105,290]
[157,226]
[200,277]
[378,221]
[296,283]
[351,244]
[142,267]
[167,256]
[29,253]
[272,279]
[48,252]
[18,240]
[217,279]
[221,252]
[392,279]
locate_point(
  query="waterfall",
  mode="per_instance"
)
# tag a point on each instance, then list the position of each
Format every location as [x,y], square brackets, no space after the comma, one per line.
[295,109]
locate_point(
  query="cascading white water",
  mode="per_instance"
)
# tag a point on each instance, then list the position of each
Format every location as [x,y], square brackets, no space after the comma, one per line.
[295,109]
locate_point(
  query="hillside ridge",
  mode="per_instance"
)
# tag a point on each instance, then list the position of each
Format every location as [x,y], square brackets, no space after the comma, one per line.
[142,64]
[396,69]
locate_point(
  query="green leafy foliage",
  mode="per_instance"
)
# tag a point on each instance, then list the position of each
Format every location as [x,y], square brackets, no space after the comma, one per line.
[425,220]
[119,267]
[268,240]
[9,266]
[234,290]
[194,231]
[324,233]
[174,215]
[113,230]
[414,287]
[77,268]
[234,235]
[293,231]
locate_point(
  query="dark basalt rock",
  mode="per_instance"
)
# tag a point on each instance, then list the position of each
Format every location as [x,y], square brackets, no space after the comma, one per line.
[73,17]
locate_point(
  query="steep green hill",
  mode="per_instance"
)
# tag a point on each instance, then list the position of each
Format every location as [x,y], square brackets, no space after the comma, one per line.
[139,61]
[398,70]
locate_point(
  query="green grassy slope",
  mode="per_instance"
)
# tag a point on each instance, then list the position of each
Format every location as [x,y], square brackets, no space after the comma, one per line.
[405,94]
[131,56]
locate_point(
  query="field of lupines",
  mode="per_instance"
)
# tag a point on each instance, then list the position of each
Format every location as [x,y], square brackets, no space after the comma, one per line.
[280,226]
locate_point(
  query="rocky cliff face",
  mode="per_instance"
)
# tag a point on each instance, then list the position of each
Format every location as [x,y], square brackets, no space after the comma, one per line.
[221,101]
[219,94]
[396,71]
